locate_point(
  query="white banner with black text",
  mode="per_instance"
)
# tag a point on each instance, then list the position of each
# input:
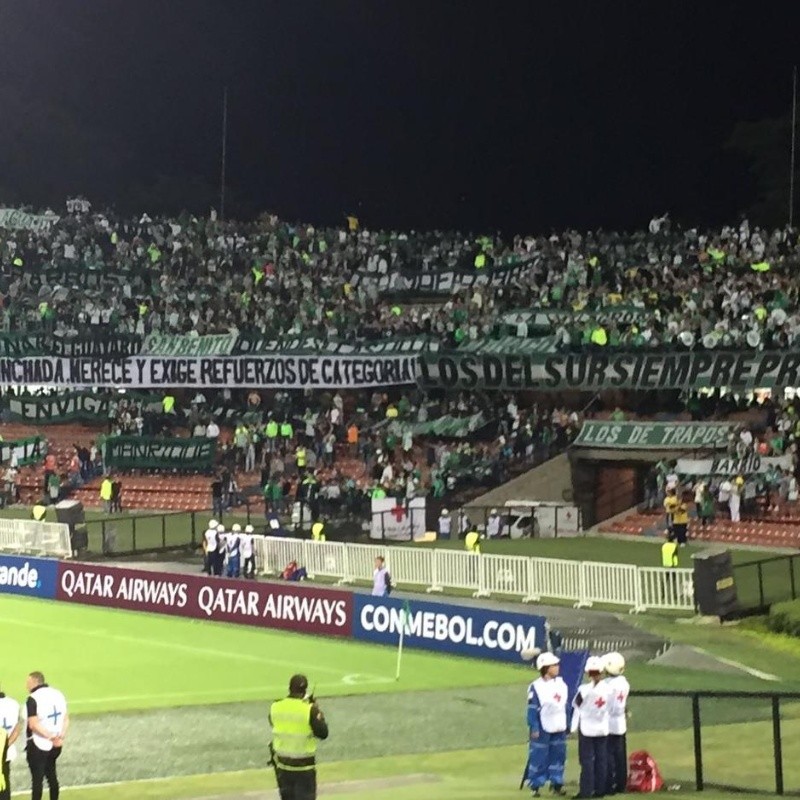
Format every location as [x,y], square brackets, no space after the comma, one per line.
[258,372]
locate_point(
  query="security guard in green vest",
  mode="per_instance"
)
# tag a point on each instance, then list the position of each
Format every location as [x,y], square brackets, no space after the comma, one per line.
[472,541]
[168,404]
[297,723]
[286,429]
[271,432]
[669,552]
[301,459]
[318,531]
[5,791]
[39,512]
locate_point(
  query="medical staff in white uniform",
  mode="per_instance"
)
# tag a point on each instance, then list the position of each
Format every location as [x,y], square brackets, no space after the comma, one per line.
[619,689]
[12,725]
[590,720]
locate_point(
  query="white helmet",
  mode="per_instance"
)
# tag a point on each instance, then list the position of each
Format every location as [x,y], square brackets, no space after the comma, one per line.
[445,512]
[593,664]
[249,529]
[220,528]
[237,528]
[212,523]
[614,663]
[493,512]
[547,660]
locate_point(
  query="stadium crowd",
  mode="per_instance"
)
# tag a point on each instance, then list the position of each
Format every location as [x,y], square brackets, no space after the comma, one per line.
[660,287]
[684,288]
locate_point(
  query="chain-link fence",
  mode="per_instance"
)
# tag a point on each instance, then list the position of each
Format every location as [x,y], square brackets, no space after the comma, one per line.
[734,741]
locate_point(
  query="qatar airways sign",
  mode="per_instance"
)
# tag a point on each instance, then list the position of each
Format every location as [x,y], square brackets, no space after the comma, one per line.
[290,607]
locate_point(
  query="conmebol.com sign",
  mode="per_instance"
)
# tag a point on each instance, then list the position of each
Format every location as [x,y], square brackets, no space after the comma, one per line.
[463,630]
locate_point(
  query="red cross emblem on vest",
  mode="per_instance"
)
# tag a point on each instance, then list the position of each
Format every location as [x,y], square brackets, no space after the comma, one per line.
[599,702]
[399,512]
[557,698]
[621,697]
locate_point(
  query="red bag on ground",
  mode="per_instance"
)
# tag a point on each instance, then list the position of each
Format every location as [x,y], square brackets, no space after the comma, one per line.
[643,774]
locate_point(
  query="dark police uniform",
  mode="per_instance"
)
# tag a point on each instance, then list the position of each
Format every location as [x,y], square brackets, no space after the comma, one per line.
[297,723]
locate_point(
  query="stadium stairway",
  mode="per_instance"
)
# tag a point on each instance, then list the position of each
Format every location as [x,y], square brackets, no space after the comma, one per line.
[780,528]
[550,481]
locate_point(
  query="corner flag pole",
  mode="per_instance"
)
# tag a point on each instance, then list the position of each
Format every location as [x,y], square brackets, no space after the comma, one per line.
[406,612]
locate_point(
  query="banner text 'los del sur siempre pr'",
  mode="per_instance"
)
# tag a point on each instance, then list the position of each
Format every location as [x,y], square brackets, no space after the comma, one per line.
[597,370]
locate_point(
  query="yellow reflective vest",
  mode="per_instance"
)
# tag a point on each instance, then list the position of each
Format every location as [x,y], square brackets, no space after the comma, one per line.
[292,737]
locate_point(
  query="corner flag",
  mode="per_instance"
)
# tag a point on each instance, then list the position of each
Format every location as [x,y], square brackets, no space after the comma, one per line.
[405,615]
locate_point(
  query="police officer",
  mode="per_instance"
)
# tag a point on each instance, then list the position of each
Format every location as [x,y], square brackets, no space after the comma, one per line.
[590,719]
[617,723]
[472,542]
[248,559]
[297,723]
[547,725]
[318,531]
[233,546]
[10,727]
[48,723]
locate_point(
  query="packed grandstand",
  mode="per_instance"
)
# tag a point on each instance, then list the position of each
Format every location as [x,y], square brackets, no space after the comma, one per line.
[240,357]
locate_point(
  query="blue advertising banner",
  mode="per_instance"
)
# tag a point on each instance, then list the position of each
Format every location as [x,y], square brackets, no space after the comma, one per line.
[447,628]
[36,577]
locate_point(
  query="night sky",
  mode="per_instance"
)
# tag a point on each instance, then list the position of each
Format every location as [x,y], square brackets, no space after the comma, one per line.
[512,116]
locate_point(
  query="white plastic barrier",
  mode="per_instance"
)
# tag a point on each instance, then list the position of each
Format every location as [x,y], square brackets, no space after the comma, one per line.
[503,575]
[456,569]
[553,577]
[616,584]
[531,579]
[665,588]
[28,537]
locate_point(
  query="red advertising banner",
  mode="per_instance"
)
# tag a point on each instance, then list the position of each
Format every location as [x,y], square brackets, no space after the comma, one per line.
[290,606]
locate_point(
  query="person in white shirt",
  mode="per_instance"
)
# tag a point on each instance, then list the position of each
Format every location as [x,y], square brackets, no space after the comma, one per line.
[493,525]
[12,725]
[248,561]
[617,723]
[547,726]
[48,723]
[219,554]
[590,720]
[210,547]
[445,524]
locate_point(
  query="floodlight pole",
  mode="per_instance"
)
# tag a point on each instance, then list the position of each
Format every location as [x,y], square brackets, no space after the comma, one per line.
[224,153]
[794,137]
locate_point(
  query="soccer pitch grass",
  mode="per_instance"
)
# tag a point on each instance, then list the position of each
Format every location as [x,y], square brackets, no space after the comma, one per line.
[171,708]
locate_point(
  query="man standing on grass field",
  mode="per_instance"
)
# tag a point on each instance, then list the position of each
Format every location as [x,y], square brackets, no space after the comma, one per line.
[48,723]
[297,723]
[11,724]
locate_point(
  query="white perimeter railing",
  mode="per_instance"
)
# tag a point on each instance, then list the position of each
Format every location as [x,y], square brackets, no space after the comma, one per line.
[526,578]
[28,537]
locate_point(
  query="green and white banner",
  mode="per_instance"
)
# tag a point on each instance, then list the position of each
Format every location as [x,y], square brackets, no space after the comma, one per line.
[17,219]
[31,450]
[155,452]
[653,435]
[598,369]
[544,318]
[731,467]
[512,345]
[396,345]
[456,427]
[157,344]
[442,282]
